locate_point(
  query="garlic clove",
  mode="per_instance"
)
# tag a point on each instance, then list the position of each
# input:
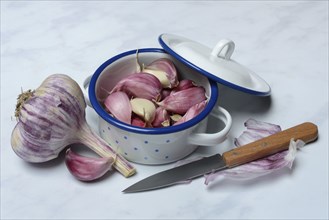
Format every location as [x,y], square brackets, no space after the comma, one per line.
[136,121]
[87,168]
[184,84]
[143,108]
[118,104]
[165,93]
[179,102]
[165,70]
[175,117]
[192,112]
[161,119]
[141,85]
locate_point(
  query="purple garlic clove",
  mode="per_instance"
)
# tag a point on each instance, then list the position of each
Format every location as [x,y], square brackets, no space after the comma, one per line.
[161,119]
[118,104]
[165,71]
[87,168]
[141,85]
[181,101]
[136,121]
[184,84]
[192,112]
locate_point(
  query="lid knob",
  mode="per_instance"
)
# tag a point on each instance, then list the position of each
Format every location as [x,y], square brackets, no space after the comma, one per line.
[223,49]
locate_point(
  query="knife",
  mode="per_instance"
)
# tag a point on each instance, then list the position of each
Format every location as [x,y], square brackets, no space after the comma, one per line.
[307,132]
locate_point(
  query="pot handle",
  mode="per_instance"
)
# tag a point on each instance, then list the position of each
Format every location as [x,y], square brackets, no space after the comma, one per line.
[213,139]
[85,87]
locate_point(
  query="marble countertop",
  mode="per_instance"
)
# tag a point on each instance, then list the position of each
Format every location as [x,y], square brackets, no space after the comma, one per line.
[286,43]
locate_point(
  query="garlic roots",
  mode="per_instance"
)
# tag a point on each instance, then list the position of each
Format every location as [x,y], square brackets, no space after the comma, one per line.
[53,117]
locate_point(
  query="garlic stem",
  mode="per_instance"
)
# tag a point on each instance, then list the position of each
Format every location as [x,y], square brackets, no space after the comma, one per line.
[88,137]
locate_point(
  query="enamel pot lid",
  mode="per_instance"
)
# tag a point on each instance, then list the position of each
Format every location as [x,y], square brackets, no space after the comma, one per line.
[215,63]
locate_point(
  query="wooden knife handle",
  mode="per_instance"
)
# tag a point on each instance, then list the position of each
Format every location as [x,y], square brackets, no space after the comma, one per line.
[272,144]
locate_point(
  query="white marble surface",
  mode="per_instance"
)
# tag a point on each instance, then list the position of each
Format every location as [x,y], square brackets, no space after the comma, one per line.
[284,42]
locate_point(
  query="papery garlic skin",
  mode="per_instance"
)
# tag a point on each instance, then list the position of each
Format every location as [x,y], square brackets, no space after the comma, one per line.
[53,118]
[143,108]
[140,85]
[165,70]
[179,102]
[192,112]
[255,131]
[87,168]
[55,99]
[118,104]
[184,84]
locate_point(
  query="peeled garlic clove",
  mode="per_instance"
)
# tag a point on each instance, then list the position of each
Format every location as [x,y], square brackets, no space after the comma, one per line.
[143,108]
[179,102]
[118,104]
[141,85]
[184,84]
[192,112]
[87,168]
[165,71]
[161,119]
[175,117]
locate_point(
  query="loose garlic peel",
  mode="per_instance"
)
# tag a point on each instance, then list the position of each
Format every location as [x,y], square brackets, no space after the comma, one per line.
[143,108]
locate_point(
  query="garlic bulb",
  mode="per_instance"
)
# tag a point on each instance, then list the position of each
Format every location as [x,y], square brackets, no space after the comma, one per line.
[53,117]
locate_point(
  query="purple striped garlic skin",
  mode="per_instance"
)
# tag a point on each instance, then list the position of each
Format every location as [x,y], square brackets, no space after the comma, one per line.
[181,101]
[36,138]
[140,85]
[52,118]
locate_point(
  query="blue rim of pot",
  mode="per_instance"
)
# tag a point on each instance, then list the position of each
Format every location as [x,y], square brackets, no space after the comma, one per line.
[127,127]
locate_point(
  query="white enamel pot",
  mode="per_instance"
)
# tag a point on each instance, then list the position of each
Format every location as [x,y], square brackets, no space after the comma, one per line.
[154,145]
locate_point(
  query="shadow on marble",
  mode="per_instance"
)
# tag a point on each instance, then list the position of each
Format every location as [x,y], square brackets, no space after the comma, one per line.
[239,102]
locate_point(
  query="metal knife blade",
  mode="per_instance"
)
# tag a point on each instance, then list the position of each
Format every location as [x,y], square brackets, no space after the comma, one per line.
[184,172]
[306,132]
